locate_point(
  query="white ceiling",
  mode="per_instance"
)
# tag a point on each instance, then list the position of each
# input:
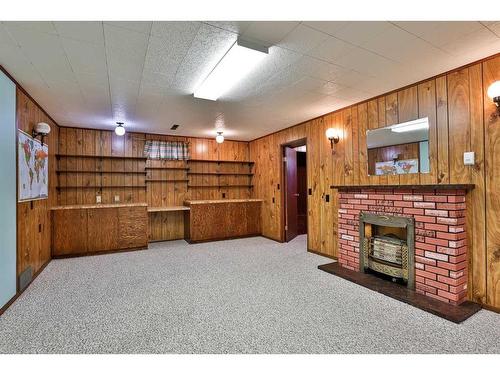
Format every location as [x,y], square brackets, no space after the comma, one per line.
[91,74]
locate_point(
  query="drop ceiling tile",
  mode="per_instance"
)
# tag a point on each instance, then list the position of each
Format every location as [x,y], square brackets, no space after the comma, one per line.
[268,31]
[17,64]
[361,32]
[312,67]
[494,27]
[237,27]
[36,26]
[163,53]
[5,37]
[85,57]
[302,39]
[475,41]
[332,50]
[208,47]
[44,51]
[440,33]
[122,65]
[88,31]
[329,27]
[182,30]
[126,41]
[143,27]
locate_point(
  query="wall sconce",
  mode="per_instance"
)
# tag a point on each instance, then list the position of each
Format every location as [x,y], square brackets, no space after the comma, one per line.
[41,129]
[333,136]
[494,94]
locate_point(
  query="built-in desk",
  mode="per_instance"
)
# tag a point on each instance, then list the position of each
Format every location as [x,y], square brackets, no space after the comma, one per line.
[210,220]
[96,228]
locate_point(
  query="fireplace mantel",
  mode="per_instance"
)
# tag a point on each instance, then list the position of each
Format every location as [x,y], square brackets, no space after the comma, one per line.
[437,187]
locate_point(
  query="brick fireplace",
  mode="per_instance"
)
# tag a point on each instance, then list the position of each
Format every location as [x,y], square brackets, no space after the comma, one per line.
[440,245]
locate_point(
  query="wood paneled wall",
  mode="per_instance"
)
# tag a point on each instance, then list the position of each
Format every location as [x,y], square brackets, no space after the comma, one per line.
[163,225]
[33,218]
[462,118]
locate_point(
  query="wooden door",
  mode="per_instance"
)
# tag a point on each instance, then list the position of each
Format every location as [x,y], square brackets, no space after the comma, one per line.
[69,232]
[291,229]
[103,227]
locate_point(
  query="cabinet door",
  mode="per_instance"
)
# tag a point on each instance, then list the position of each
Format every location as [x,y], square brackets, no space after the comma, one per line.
[133,227]
[69,232]
[102,229]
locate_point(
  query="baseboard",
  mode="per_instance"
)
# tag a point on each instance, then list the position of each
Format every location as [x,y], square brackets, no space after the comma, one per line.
[323,255]
[272,239]
[491,308]
[13,299]
[105,252]
[192,242]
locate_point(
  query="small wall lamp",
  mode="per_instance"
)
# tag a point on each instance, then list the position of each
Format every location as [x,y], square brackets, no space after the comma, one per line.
[41,129]
[494,94]
[333,137]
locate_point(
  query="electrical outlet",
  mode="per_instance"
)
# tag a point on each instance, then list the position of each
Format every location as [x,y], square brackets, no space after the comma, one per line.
[117,198]
[98,199]
[469,158]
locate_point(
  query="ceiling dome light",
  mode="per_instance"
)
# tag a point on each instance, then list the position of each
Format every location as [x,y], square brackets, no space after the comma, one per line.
[494,92]
[119,130]
[219,137]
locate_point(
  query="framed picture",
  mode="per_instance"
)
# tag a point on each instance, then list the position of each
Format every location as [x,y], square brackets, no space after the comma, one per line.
[32,168]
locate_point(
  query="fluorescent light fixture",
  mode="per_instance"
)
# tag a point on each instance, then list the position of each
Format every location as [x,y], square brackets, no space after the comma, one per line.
[241,58]
[421,123]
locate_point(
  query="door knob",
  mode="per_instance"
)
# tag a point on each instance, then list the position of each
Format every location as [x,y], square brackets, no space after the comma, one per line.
[296,194]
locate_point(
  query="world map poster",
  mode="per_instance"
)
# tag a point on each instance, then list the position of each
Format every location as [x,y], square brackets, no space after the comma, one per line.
[33,168]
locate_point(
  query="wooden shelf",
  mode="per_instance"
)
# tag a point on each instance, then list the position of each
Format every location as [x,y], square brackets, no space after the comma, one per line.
[160,180]
[100,187]
[219,186]
[221,173]
[172,168]
[114,172]
[168,209]
[220,161]
[101,156]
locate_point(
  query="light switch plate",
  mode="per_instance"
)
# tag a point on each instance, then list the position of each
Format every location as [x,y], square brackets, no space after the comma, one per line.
[468,158]
[117,198]
[98,199]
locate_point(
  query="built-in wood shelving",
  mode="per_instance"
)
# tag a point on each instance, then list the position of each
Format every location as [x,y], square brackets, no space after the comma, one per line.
[101,156]
[220,173]
[220,186]
[98,172]
[221,161]
[170,168]
[165,180]
[99,186]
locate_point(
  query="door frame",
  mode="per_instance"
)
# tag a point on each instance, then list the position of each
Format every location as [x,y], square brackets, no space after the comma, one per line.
[294,143]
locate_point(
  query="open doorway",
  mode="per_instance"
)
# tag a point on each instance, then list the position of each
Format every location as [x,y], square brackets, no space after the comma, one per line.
[295,189]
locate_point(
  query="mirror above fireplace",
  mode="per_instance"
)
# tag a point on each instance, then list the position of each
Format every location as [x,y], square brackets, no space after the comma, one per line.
[399,149]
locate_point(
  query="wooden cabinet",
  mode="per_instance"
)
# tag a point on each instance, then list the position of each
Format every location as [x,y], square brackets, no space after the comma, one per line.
[103,229]
[69,232]
[88,229]
[212,220]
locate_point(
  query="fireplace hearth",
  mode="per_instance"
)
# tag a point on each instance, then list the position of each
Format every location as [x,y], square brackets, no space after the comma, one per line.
[388,246]
[433,226]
